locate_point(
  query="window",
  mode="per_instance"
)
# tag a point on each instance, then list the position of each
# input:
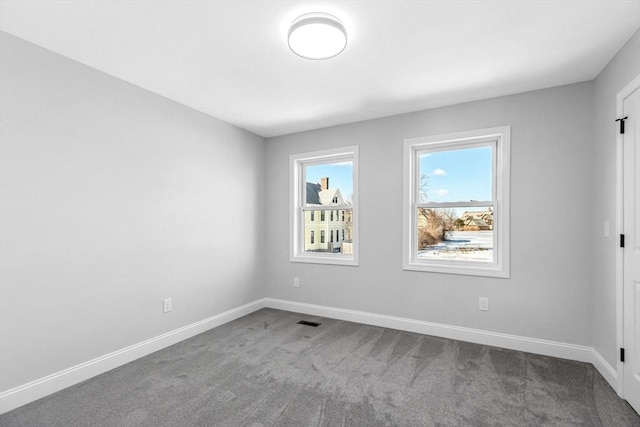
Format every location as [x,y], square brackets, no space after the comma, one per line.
[324,181]
[456,203]
[313,215]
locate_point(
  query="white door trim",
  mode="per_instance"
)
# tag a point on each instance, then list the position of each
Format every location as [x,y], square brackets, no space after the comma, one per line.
[628,89]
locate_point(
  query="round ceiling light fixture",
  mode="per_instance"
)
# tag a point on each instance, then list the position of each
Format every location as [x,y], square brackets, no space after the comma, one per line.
[317,36]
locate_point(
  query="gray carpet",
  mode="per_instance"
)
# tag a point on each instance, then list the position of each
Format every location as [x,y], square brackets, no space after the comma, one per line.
[266,370]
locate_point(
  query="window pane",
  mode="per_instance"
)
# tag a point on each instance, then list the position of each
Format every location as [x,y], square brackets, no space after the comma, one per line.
[329,232]
[456,175]
[329,184]
[459,234]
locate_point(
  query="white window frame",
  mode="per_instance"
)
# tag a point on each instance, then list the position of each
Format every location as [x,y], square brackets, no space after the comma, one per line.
[500,138]
[297,179]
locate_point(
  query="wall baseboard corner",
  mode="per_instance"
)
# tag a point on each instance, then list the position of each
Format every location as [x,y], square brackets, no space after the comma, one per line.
[606,370]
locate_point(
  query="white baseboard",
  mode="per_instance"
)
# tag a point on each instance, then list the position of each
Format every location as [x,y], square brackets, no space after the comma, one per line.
[37,389]
[495,339]
[606,370]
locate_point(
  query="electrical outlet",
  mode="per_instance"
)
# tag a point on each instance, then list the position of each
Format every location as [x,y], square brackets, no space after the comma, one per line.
[166,305]
[483,304]
[296,282]
[606,228]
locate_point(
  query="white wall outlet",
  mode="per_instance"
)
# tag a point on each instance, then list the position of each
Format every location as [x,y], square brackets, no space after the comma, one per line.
[483,304]
[296,282]
[166,305]
[606,228]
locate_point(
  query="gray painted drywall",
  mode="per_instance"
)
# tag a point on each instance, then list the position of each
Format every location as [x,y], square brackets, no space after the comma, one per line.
[114,198]
[107,208]
[548,295]
[623,68]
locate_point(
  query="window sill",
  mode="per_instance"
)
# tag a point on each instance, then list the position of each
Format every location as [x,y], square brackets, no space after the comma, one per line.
[331,259]
[468,270]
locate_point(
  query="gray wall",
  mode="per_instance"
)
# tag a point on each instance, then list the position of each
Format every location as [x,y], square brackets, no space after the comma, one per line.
[114,198]
[624,67]
[548,295]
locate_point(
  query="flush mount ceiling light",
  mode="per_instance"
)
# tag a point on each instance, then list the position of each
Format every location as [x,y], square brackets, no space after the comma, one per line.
[317,36]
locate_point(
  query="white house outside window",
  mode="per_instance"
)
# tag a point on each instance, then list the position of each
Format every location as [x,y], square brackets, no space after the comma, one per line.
[456,203]
[324,181]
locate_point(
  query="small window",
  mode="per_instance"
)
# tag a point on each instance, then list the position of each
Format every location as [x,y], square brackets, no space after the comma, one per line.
[324,181]
[312,237]
[456,208]
[313,215]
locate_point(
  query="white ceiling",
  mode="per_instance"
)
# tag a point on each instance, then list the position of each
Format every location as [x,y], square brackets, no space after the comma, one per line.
[230,59]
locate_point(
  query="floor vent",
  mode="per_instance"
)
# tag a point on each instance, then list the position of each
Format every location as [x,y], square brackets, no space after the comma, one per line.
[304,322]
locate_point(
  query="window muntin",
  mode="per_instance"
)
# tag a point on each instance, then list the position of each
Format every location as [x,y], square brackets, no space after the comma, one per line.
[324,181]
[456,203]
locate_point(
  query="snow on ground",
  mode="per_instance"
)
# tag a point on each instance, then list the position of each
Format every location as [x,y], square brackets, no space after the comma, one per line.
[462,246]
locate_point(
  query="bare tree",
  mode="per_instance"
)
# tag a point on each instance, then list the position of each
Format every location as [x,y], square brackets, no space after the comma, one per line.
[449,216]
[434,224]
[424,186]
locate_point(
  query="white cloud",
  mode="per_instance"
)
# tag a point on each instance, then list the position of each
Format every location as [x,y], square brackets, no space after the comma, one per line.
[443,192]
[439,171]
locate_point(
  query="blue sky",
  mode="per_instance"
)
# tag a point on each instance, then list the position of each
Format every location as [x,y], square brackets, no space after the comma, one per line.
[458,175]
[453,175]
[340,176]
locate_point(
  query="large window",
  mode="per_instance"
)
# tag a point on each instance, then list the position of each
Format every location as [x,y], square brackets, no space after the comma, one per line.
[456,203]
[324,181]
